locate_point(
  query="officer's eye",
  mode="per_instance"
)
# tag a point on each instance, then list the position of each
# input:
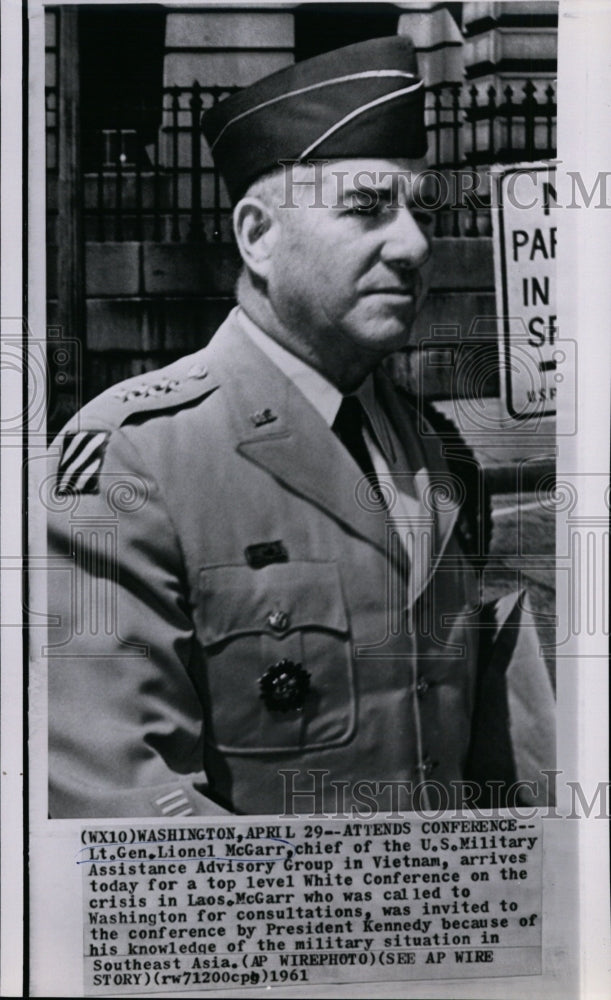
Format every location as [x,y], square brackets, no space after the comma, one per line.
[368,207]
[423,219]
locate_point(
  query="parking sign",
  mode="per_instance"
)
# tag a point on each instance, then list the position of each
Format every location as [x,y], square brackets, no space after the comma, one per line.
[524,237]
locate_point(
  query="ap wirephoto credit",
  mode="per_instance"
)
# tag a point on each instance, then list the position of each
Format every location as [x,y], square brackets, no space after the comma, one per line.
[316,544]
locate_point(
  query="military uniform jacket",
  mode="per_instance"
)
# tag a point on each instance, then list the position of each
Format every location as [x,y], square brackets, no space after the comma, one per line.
[204,529]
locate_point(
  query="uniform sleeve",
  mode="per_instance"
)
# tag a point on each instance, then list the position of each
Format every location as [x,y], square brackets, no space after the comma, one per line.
[125,721]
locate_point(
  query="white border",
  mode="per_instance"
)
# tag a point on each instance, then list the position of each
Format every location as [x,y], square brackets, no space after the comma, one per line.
[584,263]
[585,287]
[11,405]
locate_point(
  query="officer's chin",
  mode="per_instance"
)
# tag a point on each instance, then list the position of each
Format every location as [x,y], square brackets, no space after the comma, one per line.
[417,336]
[417,331]
[393,342]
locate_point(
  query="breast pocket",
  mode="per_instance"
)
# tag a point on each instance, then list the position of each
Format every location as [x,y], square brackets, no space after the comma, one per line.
[278,672]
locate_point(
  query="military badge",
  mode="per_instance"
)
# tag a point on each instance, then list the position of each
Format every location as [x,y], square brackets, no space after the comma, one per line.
[262,417]
[81,461]
[284,686]
[264,553]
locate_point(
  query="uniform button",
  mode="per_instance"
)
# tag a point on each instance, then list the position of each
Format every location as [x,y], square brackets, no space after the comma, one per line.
[278,620]
[197,371]
[422,687]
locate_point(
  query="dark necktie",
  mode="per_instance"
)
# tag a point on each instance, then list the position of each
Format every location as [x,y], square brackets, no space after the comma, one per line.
[348,426]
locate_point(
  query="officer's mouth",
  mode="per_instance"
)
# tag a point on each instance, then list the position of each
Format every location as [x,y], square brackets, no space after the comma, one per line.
[401,294]
[408,291]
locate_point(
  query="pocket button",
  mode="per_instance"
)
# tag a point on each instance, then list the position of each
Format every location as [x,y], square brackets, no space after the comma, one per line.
[278,620]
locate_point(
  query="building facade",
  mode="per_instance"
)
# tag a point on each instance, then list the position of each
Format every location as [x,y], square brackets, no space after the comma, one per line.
[141,261]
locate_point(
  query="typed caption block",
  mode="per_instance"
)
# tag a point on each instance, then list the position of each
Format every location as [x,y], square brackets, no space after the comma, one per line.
[206,906]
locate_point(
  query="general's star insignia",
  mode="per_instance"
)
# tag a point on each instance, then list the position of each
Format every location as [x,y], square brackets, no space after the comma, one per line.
[81,461]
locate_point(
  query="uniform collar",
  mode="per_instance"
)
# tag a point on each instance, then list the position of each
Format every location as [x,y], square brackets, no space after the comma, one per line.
[281,443]
[320,393]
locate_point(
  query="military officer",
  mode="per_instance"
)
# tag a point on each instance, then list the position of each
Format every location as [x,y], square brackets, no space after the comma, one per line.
[260,576]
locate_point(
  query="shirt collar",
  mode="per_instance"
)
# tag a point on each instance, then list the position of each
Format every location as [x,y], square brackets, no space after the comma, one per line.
[320,393]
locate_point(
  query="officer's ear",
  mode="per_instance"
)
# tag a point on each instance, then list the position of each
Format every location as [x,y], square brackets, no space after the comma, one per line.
[255,228]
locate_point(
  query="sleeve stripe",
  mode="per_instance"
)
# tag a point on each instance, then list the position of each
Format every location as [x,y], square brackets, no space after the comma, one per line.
[170,795]
[175,806]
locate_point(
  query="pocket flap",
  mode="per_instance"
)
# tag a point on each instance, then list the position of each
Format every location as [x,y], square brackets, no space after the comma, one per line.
[277,599]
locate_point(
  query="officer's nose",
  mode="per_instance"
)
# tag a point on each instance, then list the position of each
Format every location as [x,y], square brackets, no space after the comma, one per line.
[407,244]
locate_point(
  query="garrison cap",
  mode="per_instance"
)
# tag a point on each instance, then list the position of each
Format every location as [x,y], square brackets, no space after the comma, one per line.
[361,100]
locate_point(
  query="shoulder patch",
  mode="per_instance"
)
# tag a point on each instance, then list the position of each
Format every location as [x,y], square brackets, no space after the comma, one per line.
[81,461]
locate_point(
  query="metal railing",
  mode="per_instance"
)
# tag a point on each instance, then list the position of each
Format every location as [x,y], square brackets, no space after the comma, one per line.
[169,191]
[471,128]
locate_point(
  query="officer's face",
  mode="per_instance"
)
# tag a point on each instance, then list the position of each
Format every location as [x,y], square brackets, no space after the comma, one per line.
[351,258]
